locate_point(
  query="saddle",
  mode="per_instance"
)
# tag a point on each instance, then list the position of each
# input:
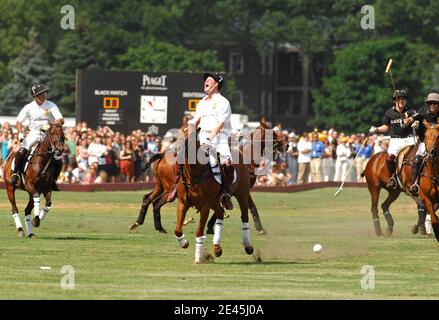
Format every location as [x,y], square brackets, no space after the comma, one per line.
[31,153]
[401,160]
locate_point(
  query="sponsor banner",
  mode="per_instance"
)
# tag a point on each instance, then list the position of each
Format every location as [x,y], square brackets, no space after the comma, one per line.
[131,100]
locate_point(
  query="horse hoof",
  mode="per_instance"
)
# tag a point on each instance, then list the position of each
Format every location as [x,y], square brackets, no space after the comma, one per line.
[210,231]
[133,226]
[36,222]
[262,232]
[422,230]
[32,235]
[415,229]
[163,230]
[207,258]
[186,245]
[389,233]
[249,250]
[20,232]
[217,250]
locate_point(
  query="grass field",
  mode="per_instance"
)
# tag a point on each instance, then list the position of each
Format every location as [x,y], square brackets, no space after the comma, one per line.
[89,231]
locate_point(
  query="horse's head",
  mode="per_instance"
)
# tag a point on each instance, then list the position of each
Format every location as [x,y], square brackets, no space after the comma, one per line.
[431,139]
[259,134]
[55,138]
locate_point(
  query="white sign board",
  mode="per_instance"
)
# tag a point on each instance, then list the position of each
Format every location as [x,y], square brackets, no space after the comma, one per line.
[153,109]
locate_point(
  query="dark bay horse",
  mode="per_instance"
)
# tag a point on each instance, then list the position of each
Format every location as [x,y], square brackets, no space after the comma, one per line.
[429,177]
[377,176]
[37,179]
[164,173]
[198,188]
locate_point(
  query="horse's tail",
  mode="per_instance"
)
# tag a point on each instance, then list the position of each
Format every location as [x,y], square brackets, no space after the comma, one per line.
[152,159]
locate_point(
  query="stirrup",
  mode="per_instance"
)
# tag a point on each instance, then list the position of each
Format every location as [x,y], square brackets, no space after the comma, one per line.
[392,184]
[414,190]
[15,179]
[229,205]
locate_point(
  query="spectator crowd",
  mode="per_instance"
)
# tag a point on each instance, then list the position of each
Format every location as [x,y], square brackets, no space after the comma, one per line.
[102,155]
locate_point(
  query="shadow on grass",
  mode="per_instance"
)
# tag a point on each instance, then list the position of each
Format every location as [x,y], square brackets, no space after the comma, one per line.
[269,263]
[68,238]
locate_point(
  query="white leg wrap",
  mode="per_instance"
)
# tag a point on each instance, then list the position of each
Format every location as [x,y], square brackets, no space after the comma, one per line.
[428,227]
[37,206]
[43,212]
[245,234]
[17,220]
[199,241]
[219,224]
[28,224]
[181,240]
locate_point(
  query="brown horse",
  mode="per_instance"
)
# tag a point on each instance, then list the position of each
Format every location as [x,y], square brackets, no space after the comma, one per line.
[36,179]
[197,188]
[377,176]
[164,173]
[429,177]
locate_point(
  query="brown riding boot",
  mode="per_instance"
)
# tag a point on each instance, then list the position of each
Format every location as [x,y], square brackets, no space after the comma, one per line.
[391,166]
[416,167]
[173,192]
[226,197]
[19,156]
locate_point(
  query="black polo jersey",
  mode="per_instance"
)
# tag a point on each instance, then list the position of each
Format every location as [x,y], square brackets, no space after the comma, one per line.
[424,114]
[395,120]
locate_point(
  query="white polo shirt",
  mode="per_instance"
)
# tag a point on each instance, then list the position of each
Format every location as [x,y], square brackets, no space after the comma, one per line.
[39,115]
[211,112]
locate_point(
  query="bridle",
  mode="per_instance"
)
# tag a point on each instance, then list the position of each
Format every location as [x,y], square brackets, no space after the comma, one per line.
[52,144]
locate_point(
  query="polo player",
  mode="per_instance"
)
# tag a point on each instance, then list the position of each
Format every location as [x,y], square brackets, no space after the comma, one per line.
[39,113]
[213,117]
[401,134]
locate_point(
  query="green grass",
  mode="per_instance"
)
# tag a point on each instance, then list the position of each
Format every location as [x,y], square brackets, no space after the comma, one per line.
[89,231]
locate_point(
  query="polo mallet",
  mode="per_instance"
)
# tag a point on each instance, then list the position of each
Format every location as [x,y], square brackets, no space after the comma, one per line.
[352,165]
[389,66]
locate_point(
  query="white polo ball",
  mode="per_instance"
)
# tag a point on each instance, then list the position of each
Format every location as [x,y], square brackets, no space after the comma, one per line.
[317,248]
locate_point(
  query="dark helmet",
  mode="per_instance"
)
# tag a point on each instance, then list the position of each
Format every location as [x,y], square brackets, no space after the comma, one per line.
[400,93]
[218,78]
[37,89]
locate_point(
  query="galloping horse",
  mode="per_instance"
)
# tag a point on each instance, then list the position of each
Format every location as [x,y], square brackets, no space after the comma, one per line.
[198,188]
[37,178]
[429,176]
[377,176]
[165,177]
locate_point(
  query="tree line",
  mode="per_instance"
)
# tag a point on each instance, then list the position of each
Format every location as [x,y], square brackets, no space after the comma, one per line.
[184,35]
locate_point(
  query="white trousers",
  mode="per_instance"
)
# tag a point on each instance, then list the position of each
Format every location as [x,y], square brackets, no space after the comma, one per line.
[221,143]
[32,138]
[397,144]
[421,149]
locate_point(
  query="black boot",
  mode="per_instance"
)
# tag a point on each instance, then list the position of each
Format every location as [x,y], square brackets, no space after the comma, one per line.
[19,156]
[226,197]
[391,166]
[57,166]
[416,167]
[173,192]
